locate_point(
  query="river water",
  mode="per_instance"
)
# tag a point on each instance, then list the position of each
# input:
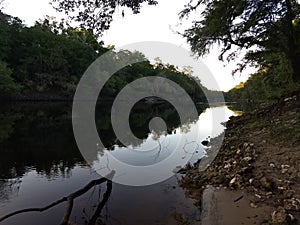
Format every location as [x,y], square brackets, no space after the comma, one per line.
[40,163]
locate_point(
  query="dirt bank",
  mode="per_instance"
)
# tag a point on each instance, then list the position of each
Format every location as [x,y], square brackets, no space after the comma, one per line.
[256,173]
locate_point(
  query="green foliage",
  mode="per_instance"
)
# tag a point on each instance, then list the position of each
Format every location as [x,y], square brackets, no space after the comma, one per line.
[142,69]
[263,85]
[49,58]
[7,84]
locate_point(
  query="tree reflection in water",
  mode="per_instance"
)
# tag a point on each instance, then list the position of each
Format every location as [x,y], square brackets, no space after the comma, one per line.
[8,188]
[38,151]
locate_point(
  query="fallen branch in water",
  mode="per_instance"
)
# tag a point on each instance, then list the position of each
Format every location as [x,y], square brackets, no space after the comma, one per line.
[70,199]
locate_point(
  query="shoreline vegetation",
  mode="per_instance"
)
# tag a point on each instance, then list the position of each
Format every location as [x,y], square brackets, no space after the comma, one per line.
[255,178]
[45,62]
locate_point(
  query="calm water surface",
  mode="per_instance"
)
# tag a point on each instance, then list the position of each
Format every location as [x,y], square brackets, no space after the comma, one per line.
[40,163]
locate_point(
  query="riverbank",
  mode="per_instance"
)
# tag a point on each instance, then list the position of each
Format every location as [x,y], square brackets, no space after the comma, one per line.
[255,178]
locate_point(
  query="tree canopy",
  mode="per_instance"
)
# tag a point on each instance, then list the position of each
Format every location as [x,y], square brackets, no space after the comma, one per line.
[96,14]
[232,24]
[246,24]
[47,60]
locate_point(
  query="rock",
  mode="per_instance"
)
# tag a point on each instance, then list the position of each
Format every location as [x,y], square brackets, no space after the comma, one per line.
[279,216]
[248,159]
[272,165]
[252,205]
[291,204]
[232,181]
[266,184]
[285,166]
[288,99]
[177,169]
[205,142]
[245,170]
[291,218]
[282,188]
[227,166]
[258,196]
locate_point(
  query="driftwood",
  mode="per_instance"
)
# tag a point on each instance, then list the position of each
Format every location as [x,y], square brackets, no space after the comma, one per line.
[70,200]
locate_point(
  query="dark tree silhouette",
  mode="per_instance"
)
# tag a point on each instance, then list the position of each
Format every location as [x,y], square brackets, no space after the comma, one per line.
[96,14]
[245,24]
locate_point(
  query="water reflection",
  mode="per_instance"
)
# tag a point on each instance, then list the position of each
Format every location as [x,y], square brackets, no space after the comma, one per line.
[9,188]
[241,107]
[40,163]
[156,158]
[39,138]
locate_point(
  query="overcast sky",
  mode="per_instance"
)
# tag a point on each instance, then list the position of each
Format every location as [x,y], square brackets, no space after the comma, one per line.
[154,23]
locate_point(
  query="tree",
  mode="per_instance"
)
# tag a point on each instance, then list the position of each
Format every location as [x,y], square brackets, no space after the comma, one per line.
[46,59]
[96,14]
[245,24]
[7,84]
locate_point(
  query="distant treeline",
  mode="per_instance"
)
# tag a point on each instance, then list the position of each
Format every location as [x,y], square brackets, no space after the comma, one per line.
[47,60]
[264,85]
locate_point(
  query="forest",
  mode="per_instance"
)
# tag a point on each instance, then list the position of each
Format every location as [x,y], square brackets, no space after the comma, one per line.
[47,60]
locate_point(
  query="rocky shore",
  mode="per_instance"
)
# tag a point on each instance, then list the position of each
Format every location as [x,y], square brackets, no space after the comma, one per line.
[255,178]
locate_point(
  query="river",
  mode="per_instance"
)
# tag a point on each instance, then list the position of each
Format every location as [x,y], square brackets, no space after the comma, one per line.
[40,163]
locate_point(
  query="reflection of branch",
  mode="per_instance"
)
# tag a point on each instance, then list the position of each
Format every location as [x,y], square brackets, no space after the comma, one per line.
[188,143]
[70,199]
[160,149]
[102,203]
[67,214]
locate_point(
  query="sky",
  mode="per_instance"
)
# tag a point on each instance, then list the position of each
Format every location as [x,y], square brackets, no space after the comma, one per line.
[154,23]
